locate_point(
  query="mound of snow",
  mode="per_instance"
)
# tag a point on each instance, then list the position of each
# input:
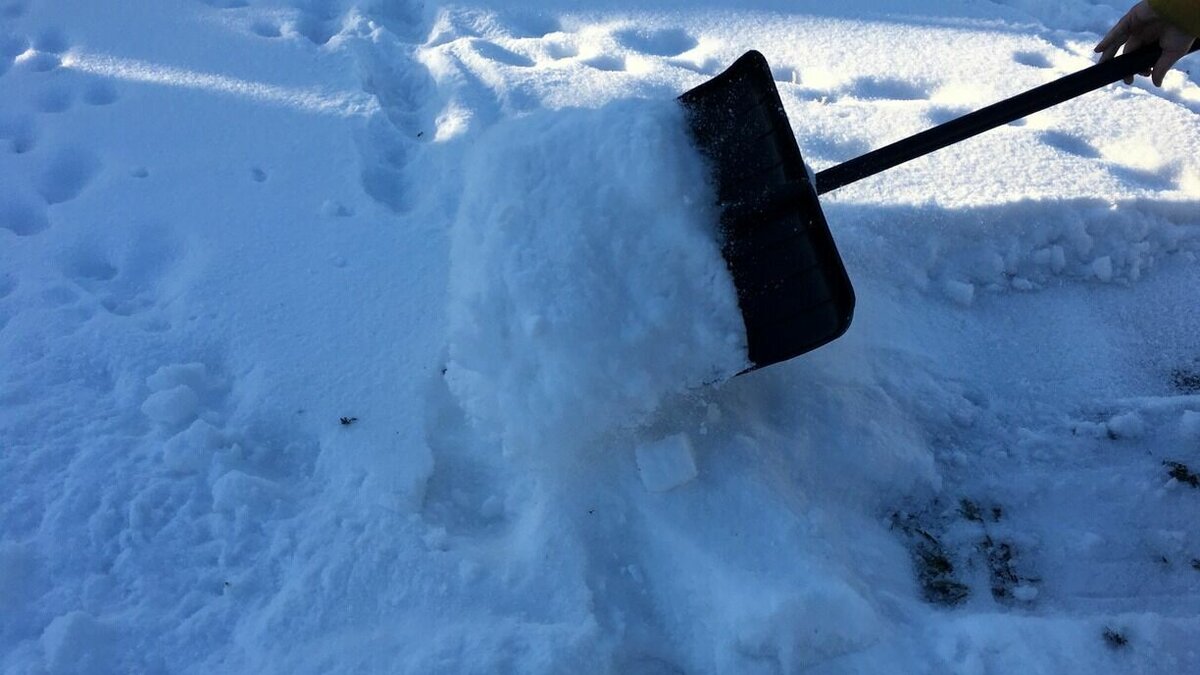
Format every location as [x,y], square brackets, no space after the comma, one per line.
[586,278]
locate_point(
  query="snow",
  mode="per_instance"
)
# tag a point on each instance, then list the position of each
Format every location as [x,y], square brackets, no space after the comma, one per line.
[580,300]
[384,336]
[666,464]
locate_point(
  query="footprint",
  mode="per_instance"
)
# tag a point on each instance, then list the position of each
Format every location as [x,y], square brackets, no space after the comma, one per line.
[54,99]
[1069,144]
[560,49]
[1149,179]
[67,174]
[14,10]
[941,114]
[266,28]
[317,28]
[42,62]
[100,93]
[22,219]
[667,42]
[1032,59]
[88,268]
[51,41]
[605,62]
[533,25]
[887,88]
[19,131]
[125,282]
[11,46]
[494,52]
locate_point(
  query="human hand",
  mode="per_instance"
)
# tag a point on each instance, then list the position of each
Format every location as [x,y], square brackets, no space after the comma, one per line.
[1143,26]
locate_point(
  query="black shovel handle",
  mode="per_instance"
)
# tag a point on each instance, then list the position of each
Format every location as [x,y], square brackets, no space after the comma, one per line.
[985,119]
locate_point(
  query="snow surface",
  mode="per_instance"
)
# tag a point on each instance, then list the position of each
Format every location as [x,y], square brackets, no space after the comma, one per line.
[296,375]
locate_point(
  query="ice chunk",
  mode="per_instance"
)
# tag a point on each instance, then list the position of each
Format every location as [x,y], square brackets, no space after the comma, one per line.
[667,463]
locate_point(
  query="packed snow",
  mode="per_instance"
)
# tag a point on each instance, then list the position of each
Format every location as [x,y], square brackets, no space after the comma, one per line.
[388,336]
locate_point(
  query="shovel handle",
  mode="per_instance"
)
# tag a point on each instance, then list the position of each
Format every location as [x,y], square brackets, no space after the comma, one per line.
[985,119]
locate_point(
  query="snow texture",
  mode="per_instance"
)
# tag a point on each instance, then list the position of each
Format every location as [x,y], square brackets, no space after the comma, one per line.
[343,336]
[573,312]
[667,463]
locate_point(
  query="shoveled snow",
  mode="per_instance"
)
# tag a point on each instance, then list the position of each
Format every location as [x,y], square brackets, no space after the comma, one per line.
[349,335]
[582,297]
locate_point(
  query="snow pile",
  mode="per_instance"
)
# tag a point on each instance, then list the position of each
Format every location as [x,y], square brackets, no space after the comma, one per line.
[586,280]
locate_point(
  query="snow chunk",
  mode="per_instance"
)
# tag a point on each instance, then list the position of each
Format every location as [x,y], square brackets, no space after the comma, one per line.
[236,489]
[960,292]
[1189,423]
[1025,593]
[587,282]
[194,375]
[190,450]
[667,463]
[1103,269]
[172,407]
[1126,425]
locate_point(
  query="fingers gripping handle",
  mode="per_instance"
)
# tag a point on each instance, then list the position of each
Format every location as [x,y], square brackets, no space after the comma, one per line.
[998,114]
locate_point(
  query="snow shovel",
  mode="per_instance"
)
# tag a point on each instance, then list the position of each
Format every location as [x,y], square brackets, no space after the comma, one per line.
[793,290]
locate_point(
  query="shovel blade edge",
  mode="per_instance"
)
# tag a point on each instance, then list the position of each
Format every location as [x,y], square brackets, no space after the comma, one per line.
[793,289]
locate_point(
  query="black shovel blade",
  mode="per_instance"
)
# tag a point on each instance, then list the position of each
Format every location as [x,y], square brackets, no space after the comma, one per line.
[792,287]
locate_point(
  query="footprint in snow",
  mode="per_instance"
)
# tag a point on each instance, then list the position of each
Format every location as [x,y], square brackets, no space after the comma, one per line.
[266,28]
[67,174]
[887,88]
[41,62]
[11,46]
[319,20]
[51,41]
[1072,145]
[1032,59]
[941,114]
[494,52]
[605,62]
[533,25]
[14,10]
[21,218]
[125,283]
[19,132]
[665,42]
[558,49]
